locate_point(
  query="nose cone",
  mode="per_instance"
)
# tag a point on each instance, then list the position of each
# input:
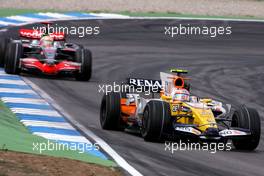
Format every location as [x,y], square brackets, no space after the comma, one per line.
[211,132]
[50,61]
[50,69]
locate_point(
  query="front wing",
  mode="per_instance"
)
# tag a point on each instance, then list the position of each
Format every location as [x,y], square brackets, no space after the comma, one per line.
[32,64]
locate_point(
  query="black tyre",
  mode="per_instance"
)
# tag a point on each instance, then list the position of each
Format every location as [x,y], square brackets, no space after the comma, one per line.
[84,56]
[110,112]
[3,48]
[247,118]
[156,120]
[13,54]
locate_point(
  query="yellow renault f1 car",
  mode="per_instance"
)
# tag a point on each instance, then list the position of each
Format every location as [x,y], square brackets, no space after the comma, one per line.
[178,113]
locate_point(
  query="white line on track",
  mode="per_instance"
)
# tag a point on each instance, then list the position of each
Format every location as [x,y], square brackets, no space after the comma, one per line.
[108,149]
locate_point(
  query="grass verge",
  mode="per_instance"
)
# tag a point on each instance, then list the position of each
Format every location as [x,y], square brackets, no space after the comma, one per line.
[14,136]
[9,12]
[172,14]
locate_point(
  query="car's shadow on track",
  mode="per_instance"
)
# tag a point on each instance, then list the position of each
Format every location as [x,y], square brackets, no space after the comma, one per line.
[52,77]
[256,151]
[176,140]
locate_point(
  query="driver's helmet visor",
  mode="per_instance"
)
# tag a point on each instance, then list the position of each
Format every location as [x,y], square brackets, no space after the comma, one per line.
[181,97]
[46,42]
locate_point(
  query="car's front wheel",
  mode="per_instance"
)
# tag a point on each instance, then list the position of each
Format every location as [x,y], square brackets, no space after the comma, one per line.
[84,56]
[156,120]
[13,55]
[3,48]
[247,118]
[110,112]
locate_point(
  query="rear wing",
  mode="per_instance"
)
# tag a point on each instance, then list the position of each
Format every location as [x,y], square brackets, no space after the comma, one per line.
[165,85]
[35,34]
[151,85]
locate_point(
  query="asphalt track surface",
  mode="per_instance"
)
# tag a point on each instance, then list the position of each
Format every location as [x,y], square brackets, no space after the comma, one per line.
[227,68]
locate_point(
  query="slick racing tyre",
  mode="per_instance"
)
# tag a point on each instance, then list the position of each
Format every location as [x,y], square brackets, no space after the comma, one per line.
[3,47]
[156,120]
[247,118]
[110,112]
[13,54]
[84,56]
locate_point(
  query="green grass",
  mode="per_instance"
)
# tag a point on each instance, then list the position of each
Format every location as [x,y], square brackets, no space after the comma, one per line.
[9,12]
[12,11]
[172,14]
[14,136]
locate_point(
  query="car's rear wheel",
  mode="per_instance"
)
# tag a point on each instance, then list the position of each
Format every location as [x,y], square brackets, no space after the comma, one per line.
[13,55]
[84,56]
[247,118]
[156,120]
[110,112]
